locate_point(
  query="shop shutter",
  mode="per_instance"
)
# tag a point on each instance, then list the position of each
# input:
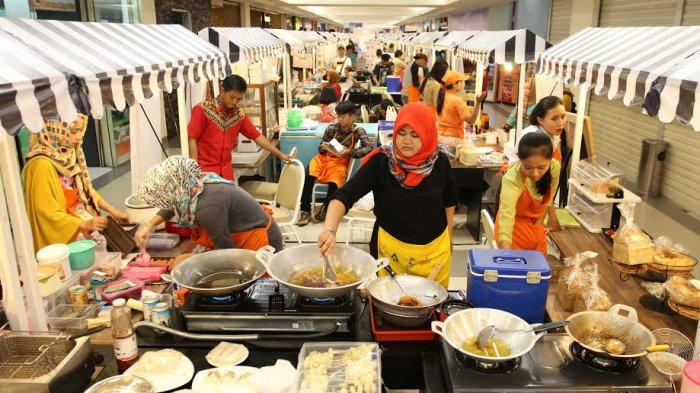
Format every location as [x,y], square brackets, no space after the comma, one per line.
[681,179]
[618,132]
[560,20]
[691,13]
[621,13]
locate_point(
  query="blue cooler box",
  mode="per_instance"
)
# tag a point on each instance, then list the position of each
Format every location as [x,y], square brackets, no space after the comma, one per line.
[515,281]
[393,84]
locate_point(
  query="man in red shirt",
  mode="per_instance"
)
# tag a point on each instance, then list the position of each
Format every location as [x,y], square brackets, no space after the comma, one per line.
[214,127]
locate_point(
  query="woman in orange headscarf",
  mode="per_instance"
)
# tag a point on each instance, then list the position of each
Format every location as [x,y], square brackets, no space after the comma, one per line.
[414,196]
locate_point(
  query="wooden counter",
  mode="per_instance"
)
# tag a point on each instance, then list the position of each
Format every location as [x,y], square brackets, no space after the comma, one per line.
[574,240]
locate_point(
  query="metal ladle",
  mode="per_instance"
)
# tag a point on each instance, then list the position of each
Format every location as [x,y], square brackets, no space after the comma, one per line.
[487,333]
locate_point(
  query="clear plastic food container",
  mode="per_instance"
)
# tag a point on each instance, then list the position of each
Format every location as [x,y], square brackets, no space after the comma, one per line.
[163,241]
[71,316]
[594,215]
[596,177]
[350,367]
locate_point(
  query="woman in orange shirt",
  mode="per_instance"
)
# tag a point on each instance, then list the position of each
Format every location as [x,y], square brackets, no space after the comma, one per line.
[452,111]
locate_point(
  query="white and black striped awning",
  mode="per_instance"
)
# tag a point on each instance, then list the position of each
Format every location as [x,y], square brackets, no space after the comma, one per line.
[620,61]
[428,39]
[246,44]
[499,47]
[33,88]
[406,38]
[676,94]
[454,38]
[294,43]
[117,64]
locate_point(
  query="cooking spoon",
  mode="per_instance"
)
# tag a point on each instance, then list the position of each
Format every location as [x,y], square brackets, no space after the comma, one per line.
[487,333]
[328,272]
[617,347]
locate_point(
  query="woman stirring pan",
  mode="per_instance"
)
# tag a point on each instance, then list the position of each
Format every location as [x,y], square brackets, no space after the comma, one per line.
[414,195]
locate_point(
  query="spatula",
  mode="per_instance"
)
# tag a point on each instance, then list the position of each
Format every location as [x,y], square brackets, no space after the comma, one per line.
[487,333]
[328,272]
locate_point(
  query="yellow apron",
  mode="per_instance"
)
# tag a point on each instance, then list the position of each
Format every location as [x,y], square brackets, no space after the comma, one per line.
[419,260]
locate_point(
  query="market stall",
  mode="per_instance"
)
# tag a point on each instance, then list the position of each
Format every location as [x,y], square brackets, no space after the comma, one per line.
[449,44]
[501,47]
[302,52]
[124,65]
[426,44]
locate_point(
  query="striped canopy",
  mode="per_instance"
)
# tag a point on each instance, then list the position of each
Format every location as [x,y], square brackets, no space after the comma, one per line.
[114,64]
[676,94]
[499,47]
[454,38]
[406,38]
[247,44]
[294,42]
[623,61]
[427,40]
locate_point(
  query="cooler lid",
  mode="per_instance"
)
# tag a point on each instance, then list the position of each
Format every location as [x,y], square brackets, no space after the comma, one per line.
[508,262]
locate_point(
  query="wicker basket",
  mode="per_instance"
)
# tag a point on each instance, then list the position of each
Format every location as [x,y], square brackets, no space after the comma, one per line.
[685,311]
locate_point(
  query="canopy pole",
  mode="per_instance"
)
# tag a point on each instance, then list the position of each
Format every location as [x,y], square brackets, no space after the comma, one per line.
[580,115]
[285,80]
[24,245]
[479,88]
[182,119]
[215,87]
[14,301]
[521,99]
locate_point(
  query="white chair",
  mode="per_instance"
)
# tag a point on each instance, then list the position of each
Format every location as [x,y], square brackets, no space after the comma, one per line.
[391,114]
[360,217]
[487,225]
[387,96]
[263,191]
[286,204]
[365,114]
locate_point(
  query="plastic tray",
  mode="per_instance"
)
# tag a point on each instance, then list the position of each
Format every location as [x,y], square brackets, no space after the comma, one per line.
[71,316]
[129,293]
[387,332]
[336,371]
[163,241]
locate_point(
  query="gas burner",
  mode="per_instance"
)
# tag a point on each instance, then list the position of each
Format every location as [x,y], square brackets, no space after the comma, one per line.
[219,303]
[603,363]
[315,303]
[477,365]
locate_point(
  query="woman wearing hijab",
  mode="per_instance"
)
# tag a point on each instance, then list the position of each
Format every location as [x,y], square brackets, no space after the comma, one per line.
[414,194]
[58,192]
[328,101]
[221,214]
[333,79]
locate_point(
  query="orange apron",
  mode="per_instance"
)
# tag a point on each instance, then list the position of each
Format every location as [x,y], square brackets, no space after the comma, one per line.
[72,199]
[252,239]
[527,235]
[329,169]
[414,92]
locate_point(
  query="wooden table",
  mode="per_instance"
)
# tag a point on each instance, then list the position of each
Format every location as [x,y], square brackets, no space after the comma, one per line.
[263,157]
[574,240]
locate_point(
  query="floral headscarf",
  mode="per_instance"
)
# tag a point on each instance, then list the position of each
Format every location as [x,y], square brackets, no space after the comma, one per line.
[53,143]
[175,184]
[409,172]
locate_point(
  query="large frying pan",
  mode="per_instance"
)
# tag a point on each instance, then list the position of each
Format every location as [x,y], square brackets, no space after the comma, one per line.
[218,266]
[592,329]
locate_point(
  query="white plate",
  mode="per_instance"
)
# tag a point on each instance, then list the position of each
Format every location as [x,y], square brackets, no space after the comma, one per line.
[484,150]
[169,379]
[199,384]
[233,362]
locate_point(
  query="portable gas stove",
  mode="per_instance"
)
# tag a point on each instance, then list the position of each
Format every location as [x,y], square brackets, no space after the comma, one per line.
[555,364]
[269,307]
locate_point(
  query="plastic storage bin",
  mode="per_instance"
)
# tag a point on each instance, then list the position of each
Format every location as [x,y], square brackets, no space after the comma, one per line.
[515,281]
[82,254]
[71,316]
[393,84]
[61,296]
[588,173]
[109,262]
[56,254]
[591,215]
[132,292]
[336,369]
[163,241]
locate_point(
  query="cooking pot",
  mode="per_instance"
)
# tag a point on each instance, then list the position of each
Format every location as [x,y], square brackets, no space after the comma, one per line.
[592,329]
[137,211]
[283,265]
[466,325]
[386,293]
[226,271]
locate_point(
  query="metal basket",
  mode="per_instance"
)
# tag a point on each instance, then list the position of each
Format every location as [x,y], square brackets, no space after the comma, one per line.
[680,344]
[31,354]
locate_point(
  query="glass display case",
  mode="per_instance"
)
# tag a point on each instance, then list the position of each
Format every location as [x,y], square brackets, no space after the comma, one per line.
[261,106]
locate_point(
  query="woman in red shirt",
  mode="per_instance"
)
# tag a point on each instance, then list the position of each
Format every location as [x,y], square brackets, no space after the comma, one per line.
[333,78]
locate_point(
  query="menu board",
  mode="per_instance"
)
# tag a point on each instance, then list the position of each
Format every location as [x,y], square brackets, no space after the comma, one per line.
[303,60]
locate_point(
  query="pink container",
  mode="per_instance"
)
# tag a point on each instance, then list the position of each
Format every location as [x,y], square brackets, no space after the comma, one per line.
[150,273]
[108,293]
[691,377]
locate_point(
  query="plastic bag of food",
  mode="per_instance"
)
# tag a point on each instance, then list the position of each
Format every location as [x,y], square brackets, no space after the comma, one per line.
[573,279]
[631,245]
[684,290]
[467,154]
[671,256]
[594,298]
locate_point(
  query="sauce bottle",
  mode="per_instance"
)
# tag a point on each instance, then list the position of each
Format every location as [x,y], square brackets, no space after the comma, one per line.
[126,350]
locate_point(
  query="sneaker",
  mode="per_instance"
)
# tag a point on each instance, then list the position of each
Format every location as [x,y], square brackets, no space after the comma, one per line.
[304,218]
[320,216]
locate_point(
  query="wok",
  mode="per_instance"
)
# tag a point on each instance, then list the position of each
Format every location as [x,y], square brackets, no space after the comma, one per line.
[466,325]
[234,269]
[283,265]
[593,328]
[385,298]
